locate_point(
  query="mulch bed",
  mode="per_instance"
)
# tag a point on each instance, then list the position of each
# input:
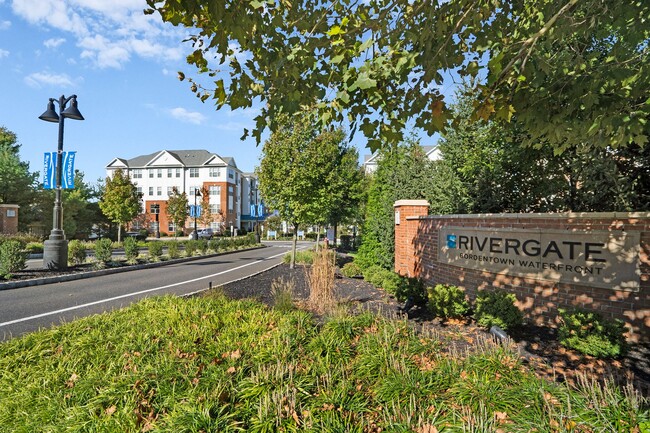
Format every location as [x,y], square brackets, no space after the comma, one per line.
[537,345]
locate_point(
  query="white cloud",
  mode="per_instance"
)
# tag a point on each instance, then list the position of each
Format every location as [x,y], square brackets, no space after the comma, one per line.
[187,116]
[3,53]
[4,25]
[53,43]
[40,79]
[108,34]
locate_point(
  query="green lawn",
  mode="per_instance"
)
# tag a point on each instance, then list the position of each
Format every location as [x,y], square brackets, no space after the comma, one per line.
[214,365]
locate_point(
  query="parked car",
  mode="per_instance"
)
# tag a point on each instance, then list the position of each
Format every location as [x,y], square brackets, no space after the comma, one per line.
[205,234]
[137,235]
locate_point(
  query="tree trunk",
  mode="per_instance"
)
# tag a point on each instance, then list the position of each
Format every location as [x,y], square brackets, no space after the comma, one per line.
[119,232]
[294,247]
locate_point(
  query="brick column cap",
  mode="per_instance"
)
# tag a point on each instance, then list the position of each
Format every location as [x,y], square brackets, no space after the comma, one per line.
[411,203]
[11,206]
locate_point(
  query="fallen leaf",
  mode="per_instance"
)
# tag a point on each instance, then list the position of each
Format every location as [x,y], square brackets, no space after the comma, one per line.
[231,370]
[110,410]
[427,428]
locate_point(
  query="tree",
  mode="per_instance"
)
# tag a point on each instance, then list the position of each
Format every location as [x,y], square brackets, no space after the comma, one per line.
[497,175]
[121,201]
[403,172]
[298,172]
[17,184]
[571,71]
[177,209]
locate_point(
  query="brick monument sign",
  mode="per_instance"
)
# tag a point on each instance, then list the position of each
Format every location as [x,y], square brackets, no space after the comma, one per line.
[593,261]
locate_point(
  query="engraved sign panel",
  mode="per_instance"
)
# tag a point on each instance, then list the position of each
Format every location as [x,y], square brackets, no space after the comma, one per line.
[591,258]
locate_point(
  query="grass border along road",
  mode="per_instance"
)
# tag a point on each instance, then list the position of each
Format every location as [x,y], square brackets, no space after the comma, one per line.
[207,364]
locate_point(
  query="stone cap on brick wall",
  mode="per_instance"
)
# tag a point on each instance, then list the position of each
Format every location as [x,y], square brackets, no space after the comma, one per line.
[559,215]
[411,203]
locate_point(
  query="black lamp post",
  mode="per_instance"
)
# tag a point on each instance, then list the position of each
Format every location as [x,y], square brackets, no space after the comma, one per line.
[197,194]
[55,248]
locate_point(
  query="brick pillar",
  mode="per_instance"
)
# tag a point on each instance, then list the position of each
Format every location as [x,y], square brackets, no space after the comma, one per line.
[407,213]
[9,218]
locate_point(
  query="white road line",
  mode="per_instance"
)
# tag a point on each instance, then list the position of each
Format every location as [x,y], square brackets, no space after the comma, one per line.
[128,295]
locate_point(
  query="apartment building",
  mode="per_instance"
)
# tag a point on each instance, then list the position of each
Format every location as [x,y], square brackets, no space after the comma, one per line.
[370,161]
[157,174]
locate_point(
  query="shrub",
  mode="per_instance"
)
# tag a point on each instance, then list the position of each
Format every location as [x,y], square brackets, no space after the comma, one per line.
[202,245]
[391,282]
[351,270]
[214,245]
[377,275]
[76,252]
[412,290]
[131,249]
[589,333]
[370,272]
[302,257]
[346,242]
[104,250]
[497,309]
[190,248]
[34,247]
[12,258]
[447,301]
[172,250]
[155,250]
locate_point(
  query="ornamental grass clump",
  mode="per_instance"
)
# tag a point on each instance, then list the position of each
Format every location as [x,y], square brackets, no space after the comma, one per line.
[320,277]
[590,333]
[282,294]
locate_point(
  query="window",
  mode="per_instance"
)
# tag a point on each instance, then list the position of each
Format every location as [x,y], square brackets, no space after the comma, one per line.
[214,190]
[178,172]
[139,189]
[230,203]
[159,190]
[154,208]
[159,172]
[151,173]
[171,227]
[136,173]
[170,190]
[231,174]
[194,172]
[192,190]
[215,208]
[169,172]
[151,190]
[215,226]
[215,172]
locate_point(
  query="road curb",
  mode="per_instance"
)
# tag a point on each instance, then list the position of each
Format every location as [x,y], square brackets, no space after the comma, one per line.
[90,274]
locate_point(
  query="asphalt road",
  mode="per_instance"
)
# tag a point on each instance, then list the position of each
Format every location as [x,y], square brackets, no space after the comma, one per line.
[28,309]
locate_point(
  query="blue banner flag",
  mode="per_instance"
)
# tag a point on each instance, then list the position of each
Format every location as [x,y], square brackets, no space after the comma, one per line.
[253,211]
[67,176]
[192,211]
[198,210]
[49,179]
[260,210]
[49,170]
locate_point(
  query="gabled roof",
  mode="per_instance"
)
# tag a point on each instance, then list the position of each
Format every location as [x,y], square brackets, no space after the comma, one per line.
[186,158]
[118,162]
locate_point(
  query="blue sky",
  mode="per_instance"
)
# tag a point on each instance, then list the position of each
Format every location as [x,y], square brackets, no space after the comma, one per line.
[122,65]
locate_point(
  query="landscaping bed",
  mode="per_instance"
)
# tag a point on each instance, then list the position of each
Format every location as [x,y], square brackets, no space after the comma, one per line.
[537,345]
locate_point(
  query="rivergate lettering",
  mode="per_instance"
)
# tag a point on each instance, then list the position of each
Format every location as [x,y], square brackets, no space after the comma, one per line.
[533,248]
[599,259]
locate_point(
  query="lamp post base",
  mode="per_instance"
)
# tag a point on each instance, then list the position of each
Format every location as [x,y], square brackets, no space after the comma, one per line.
[55,254]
